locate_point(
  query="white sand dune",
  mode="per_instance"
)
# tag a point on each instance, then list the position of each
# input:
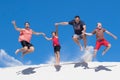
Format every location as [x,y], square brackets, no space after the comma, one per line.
[67,71]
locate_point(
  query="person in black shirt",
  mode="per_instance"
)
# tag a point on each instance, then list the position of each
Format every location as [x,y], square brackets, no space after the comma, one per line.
[79,29]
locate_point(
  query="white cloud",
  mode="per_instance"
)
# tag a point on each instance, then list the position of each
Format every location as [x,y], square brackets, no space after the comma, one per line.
[7,60]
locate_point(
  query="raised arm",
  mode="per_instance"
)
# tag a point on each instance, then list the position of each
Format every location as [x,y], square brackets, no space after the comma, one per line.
[115,37]
[61,23]
[15,26]
[56,30]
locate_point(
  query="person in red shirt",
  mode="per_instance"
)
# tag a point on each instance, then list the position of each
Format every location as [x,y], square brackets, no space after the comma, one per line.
[99,31]
[56,45]
[25,37]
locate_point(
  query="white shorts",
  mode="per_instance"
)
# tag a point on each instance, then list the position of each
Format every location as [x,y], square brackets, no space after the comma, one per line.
[77,36]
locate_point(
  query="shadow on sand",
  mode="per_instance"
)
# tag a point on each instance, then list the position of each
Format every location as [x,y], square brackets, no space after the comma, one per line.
[81,64]
[27,71]
[31,70]
[101,67]
[57,67]
[98,68]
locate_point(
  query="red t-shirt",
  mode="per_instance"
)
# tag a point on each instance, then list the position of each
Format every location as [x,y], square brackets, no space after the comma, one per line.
[55,41]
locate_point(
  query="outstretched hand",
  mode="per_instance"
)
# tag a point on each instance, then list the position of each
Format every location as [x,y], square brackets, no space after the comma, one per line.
[13,22]
[56,24]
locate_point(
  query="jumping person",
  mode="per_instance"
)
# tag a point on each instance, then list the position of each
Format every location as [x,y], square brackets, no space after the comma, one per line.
[25,37]
[78,26]
[56,45]
[99,31]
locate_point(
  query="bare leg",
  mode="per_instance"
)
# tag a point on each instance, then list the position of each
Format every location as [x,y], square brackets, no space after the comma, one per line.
[28,51]
[95,52]
[57,57]
[78,43]
[21,50]
[85,41]
[106,49]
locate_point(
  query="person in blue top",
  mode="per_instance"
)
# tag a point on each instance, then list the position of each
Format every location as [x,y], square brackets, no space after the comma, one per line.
[79,27]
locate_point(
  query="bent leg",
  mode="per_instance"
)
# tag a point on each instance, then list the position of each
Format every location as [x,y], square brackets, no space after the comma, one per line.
[97,46]
[95,53]
[85,40]
[21,50]
[31,49]
[76,40]
[106,49]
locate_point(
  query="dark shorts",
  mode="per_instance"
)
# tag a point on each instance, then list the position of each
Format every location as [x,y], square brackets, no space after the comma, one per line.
[57,48]
[25,43]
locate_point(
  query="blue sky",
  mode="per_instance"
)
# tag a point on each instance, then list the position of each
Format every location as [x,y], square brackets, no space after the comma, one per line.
[43,14]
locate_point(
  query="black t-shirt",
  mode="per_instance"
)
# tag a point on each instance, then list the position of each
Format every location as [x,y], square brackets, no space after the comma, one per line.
[78,27]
